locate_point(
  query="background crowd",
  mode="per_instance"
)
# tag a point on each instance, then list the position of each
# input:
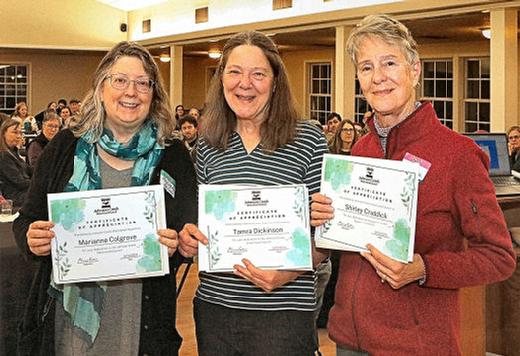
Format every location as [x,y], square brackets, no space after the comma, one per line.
[124,133]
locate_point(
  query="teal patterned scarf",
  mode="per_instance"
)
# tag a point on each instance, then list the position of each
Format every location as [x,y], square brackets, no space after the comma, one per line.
[83,302]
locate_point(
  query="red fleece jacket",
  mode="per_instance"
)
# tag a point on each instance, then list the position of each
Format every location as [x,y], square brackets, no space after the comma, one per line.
[456,203]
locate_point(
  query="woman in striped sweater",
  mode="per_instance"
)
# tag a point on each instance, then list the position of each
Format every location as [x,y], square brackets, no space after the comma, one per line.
[252,135]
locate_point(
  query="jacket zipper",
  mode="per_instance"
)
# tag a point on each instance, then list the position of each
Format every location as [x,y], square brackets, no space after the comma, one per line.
[46,308]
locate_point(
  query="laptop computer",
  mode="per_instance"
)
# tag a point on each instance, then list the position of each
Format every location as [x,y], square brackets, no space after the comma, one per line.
[495,145]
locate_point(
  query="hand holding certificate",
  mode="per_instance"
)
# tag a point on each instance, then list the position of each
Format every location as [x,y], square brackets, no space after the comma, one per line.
[108,234]
[375,201]
[267,225]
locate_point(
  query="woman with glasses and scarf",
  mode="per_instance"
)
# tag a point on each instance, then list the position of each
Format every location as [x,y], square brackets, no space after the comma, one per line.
[120,140]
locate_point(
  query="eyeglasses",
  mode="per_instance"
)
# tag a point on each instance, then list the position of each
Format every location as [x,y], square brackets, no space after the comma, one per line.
[347,130]
[121,82]
[514,137]
[54,127]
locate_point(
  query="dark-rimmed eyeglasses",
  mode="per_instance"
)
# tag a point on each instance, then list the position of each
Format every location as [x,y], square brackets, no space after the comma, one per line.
[122,82]
[347,130]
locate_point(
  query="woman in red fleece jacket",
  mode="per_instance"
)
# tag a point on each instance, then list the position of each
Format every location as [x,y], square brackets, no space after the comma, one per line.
[385,307]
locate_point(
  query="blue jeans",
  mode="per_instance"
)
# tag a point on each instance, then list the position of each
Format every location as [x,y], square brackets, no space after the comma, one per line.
[225,331]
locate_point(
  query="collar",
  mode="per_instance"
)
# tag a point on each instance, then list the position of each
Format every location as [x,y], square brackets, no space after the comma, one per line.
[416,126]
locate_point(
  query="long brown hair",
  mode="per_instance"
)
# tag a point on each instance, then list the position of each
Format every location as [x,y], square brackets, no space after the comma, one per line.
[3,128]
[337,143]
[281,115]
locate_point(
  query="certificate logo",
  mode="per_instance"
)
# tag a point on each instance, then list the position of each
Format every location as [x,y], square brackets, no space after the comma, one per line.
[368,178]
[370,172]
[106,207]
[256,199]
[105,203]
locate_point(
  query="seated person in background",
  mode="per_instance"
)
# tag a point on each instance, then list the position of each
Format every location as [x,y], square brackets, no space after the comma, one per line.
[15,174]
[179,111]
[333,120]
[3,117]
[65,116]
[75,106]
[21,114]
[61,104]
[345,137]
[513,136]
[50,127]
[39,117]
[188,125]
[195,113]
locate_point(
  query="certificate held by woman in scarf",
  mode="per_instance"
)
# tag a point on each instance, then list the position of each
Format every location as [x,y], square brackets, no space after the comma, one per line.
[108,234]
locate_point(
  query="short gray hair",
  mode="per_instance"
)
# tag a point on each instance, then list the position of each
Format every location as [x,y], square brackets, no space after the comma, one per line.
[387,29]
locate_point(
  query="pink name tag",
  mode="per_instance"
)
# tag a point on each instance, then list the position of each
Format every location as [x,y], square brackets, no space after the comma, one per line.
[423,164]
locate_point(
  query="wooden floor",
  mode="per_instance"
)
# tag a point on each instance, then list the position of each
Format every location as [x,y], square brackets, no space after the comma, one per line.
[185,318]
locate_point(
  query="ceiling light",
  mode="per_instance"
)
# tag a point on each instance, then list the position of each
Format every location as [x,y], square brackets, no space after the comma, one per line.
[164,58]
[486,32]
[215,54]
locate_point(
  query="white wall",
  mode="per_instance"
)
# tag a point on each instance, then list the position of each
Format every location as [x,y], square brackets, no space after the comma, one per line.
[62,24]
[177,17]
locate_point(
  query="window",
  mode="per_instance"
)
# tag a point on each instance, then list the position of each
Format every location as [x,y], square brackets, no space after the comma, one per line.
[201,15]
[282,4]
[476,95]
[437,87]
[361,104]
[320,85]
[13,86]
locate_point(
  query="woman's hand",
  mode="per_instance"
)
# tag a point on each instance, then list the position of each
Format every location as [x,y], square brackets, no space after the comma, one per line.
[321,209]
[396,273]
[39,236]
[268,280]
[189,239]
[168,238]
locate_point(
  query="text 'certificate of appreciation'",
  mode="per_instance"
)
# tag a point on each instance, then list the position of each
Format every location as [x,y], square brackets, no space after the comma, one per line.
[108,234]
[374,200]
[269,225]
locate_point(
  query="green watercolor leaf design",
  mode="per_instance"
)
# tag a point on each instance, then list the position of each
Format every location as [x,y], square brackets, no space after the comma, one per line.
[398,246]
[337,172]
[219,202]
[214,251]
[62,260]
[151,260]
[408,189]
[299,207]
[68,212]
[301,248]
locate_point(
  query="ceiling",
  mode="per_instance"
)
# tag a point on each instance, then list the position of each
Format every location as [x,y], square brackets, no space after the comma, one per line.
[457,28]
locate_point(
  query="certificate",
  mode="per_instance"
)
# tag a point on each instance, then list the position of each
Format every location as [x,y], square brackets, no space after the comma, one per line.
[269,225]
[374,201]
[108,234]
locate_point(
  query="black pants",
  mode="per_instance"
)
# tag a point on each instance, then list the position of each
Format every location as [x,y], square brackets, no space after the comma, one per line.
[225,331]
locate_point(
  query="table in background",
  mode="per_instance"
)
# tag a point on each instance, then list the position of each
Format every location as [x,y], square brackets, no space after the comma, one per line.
[490,315]
[15,281]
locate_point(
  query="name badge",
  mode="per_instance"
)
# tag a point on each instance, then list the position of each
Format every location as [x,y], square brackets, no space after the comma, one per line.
[168,183]
[424,165]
